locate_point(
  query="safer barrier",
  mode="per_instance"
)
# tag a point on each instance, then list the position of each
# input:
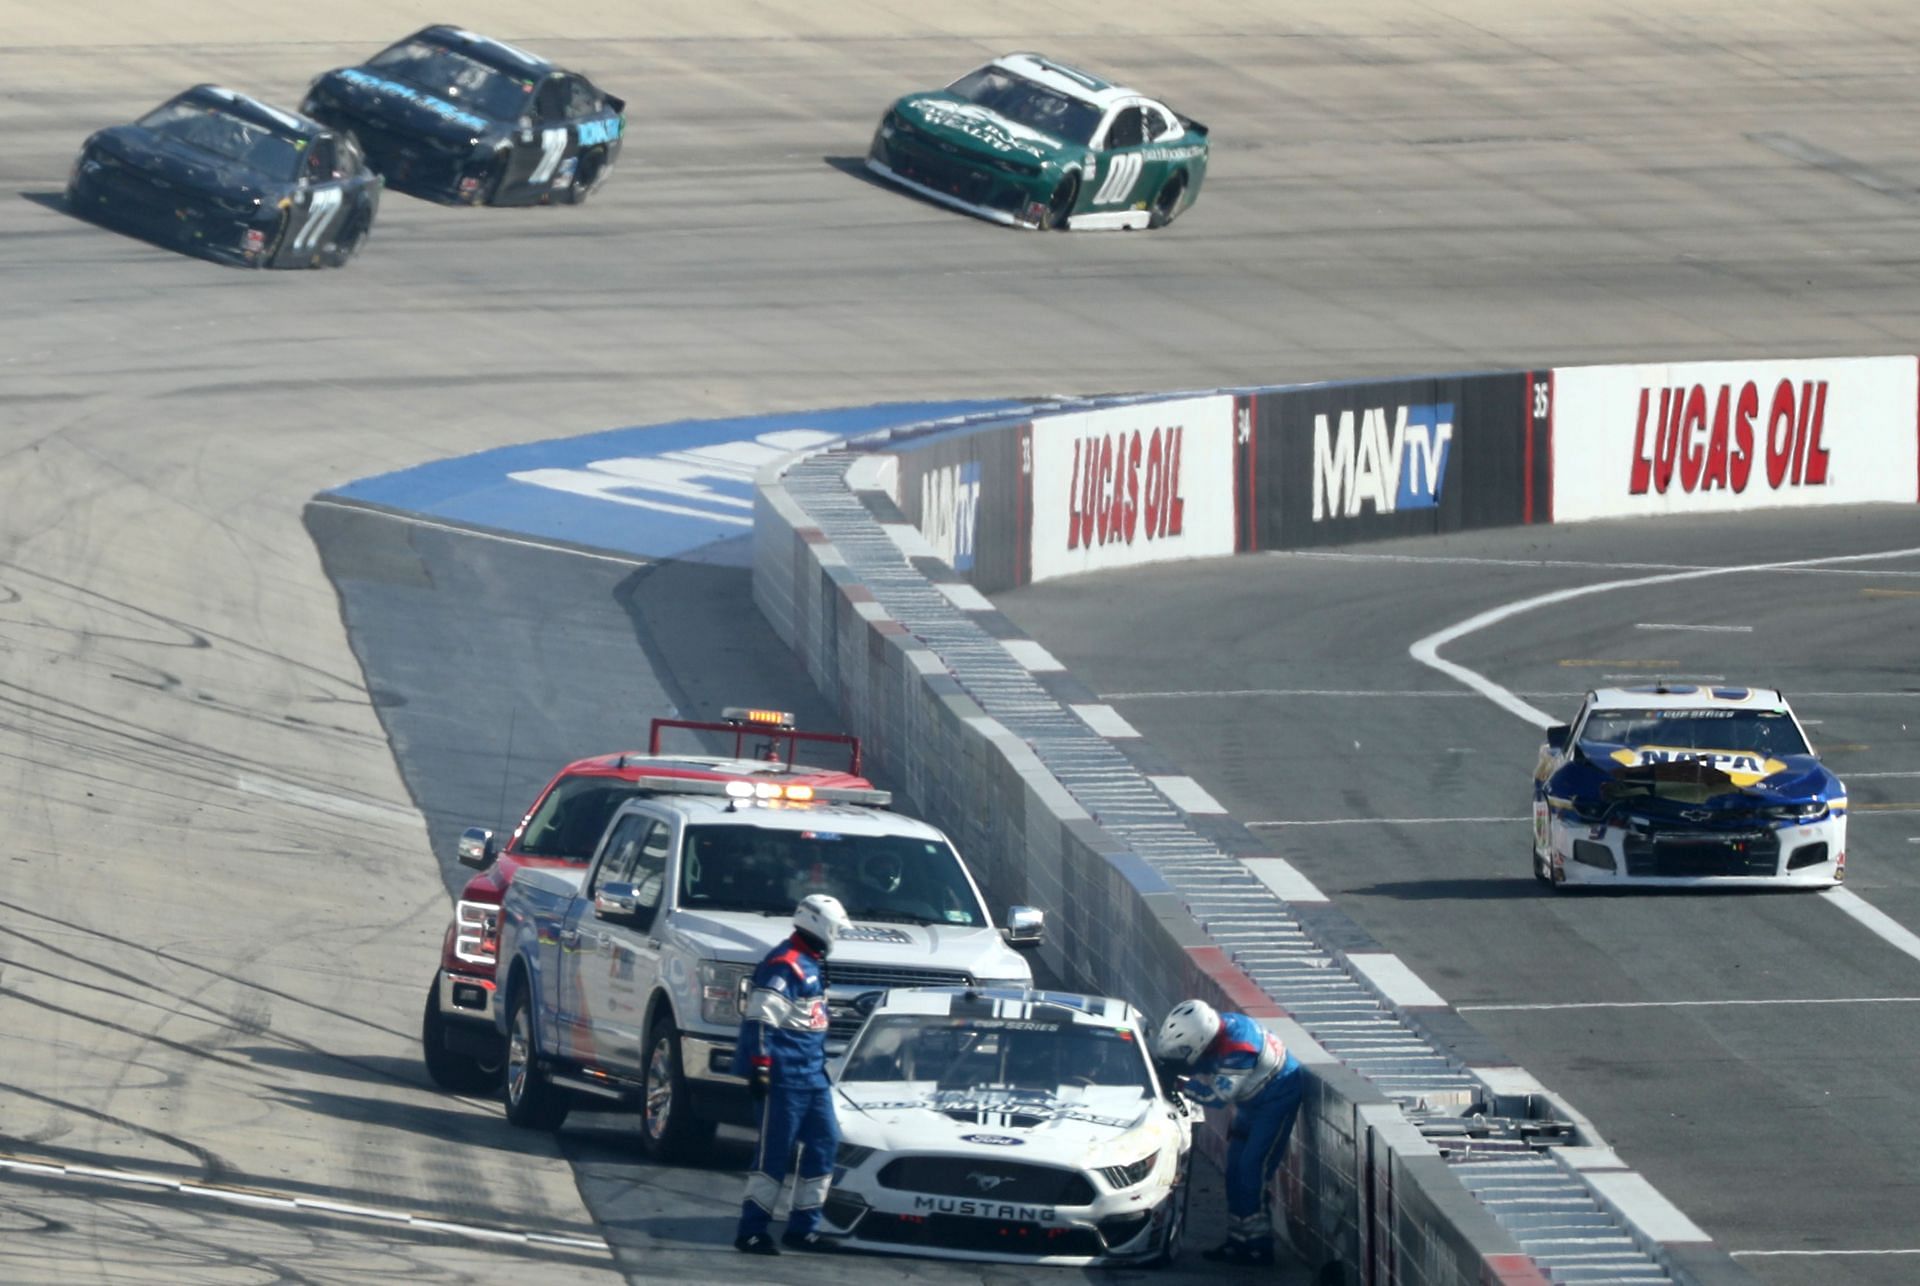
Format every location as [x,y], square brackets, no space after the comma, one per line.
[859,560]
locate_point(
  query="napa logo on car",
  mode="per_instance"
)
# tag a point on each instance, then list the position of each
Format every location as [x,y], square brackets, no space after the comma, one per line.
[1387,458]
[1743,766]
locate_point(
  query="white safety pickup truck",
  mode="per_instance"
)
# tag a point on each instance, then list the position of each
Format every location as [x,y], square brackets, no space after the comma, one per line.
[622,984]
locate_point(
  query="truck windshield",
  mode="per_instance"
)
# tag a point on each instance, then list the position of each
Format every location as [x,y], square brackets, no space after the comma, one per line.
[568,823]
[974,1053]
[877,877]
[1769,732]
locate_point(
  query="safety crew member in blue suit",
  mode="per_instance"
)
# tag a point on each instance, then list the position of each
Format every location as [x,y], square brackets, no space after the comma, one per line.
[1230,1060]
[782,1052]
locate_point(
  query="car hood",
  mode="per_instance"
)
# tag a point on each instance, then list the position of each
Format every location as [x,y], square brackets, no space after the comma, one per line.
[949,119]
[1062,1126]
[186,168]
[1656,777]
[406,109]
[746,937]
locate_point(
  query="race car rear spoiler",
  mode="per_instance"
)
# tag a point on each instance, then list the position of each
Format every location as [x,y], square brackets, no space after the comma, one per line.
[1191,125]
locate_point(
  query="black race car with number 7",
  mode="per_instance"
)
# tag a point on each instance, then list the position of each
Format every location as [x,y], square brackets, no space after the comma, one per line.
[1035,143]
[456,117]
[226,176]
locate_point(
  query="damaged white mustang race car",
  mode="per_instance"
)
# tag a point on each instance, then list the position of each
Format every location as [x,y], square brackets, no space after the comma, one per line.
[1013,1126]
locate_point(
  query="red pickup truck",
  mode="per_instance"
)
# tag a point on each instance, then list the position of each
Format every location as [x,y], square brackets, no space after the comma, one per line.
[458,1036]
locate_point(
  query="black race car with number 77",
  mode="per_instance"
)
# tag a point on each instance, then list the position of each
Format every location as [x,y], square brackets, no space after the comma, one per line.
[226,176]
[459,118]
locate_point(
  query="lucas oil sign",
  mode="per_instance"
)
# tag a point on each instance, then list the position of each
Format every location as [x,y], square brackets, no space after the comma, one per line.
[1132,484]
[1708,436]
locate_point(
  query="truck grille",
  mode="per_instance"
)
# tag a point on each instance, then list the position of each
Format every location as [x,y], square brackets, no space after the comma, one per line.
[949,1176]
[846,981]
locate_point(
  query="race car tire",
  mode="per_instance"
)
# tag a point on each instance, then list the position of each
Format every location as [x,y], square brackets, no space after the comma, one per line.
[1166,206]
[496,177]
[1176,1230]
[450,1069]
[669,1130]
[1060,204]
[586,176]
[533,1102]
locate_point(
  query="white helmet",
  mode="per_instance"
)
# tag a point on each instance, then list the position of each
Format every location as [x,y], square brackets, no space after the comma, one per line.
[821,916]
[1187,1031]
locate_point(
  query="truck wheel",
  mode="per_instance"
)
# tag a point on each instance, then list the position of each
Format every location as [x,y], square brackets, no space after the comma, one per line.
[669,1131]
[450,1069]
[533,1102]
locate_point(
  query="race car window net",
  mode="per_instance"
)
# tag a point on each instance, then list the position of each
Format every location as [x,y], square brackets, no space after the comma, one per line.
[1030,103]
[451,75]
[956,1053]
[1770,732]
[209,129]
[883,879]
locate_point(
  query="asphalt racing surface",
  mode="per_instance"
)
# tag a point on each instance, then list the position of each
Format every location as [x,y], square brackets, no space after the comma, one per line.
[1751,1055]
[219,902]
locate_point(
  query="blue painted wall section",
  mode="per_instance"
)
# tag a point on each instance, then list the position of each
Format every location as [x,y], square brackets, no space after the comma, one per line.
[659,491]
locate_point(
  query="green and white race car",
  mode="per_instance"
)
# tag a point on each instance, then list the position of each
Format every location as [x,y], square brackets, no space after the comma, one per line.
[1037,144]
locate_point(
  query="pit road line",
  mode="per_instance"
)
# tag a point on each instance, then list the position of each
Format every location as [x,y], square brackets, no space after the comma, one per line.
[1797,566]
[1684,1004]
[1427,652]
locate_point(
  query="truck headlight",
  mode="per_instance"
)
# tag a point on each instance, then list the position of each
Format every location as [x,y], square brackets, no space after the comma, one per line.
[476,937]
[723,990]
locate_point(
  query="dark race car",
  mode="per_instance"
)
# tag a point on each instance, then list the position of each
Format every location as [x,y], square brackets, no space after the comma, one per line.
[226,176]
[455,117]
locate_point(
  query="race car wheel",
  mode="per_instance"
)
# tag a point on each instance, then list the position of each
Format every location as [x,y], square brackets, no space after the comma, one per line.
[450,1069]
[336,255]
[586,177]
[496,177]
[533,1102]
[1166,206]
[669,1131]
[1176,1229]
[1060,204]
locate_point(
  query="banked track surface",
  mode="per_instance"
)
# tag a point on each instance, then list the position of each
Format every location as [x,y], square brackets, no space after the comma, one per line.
[1733,1048]
[219,904]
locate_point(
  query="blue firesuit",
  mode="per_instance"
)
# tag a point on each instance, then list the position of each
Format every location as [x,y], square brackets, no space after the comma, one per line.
[784,1032]
[1247,1068]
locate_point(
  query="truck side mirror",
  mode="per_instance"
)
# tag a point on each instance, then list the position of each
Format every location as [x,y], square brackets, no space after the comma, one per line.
[1026,926]
[616,901]
[1557,736]
[475,848]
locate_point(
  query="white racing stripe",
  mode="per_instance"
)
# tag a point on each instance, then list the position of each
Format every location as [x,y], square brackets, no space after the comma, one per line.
[1427,652]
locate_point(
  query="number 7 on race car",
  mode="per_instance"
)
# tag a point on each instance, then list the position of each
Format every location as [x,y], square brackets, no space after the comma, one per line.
[553,144]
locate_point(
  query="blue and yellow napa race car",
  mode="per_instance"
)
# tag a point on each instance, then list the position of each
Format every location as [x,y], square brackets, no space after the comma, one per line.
[1686,786]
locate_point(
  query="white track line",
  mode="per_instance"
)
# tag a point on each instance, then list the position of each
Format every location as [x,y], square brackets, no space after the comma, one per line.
[1684,1004]
[1390,821]
[1427,652]
[1703,629]
[1809,1254]
[260,1199]
[1702,569]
